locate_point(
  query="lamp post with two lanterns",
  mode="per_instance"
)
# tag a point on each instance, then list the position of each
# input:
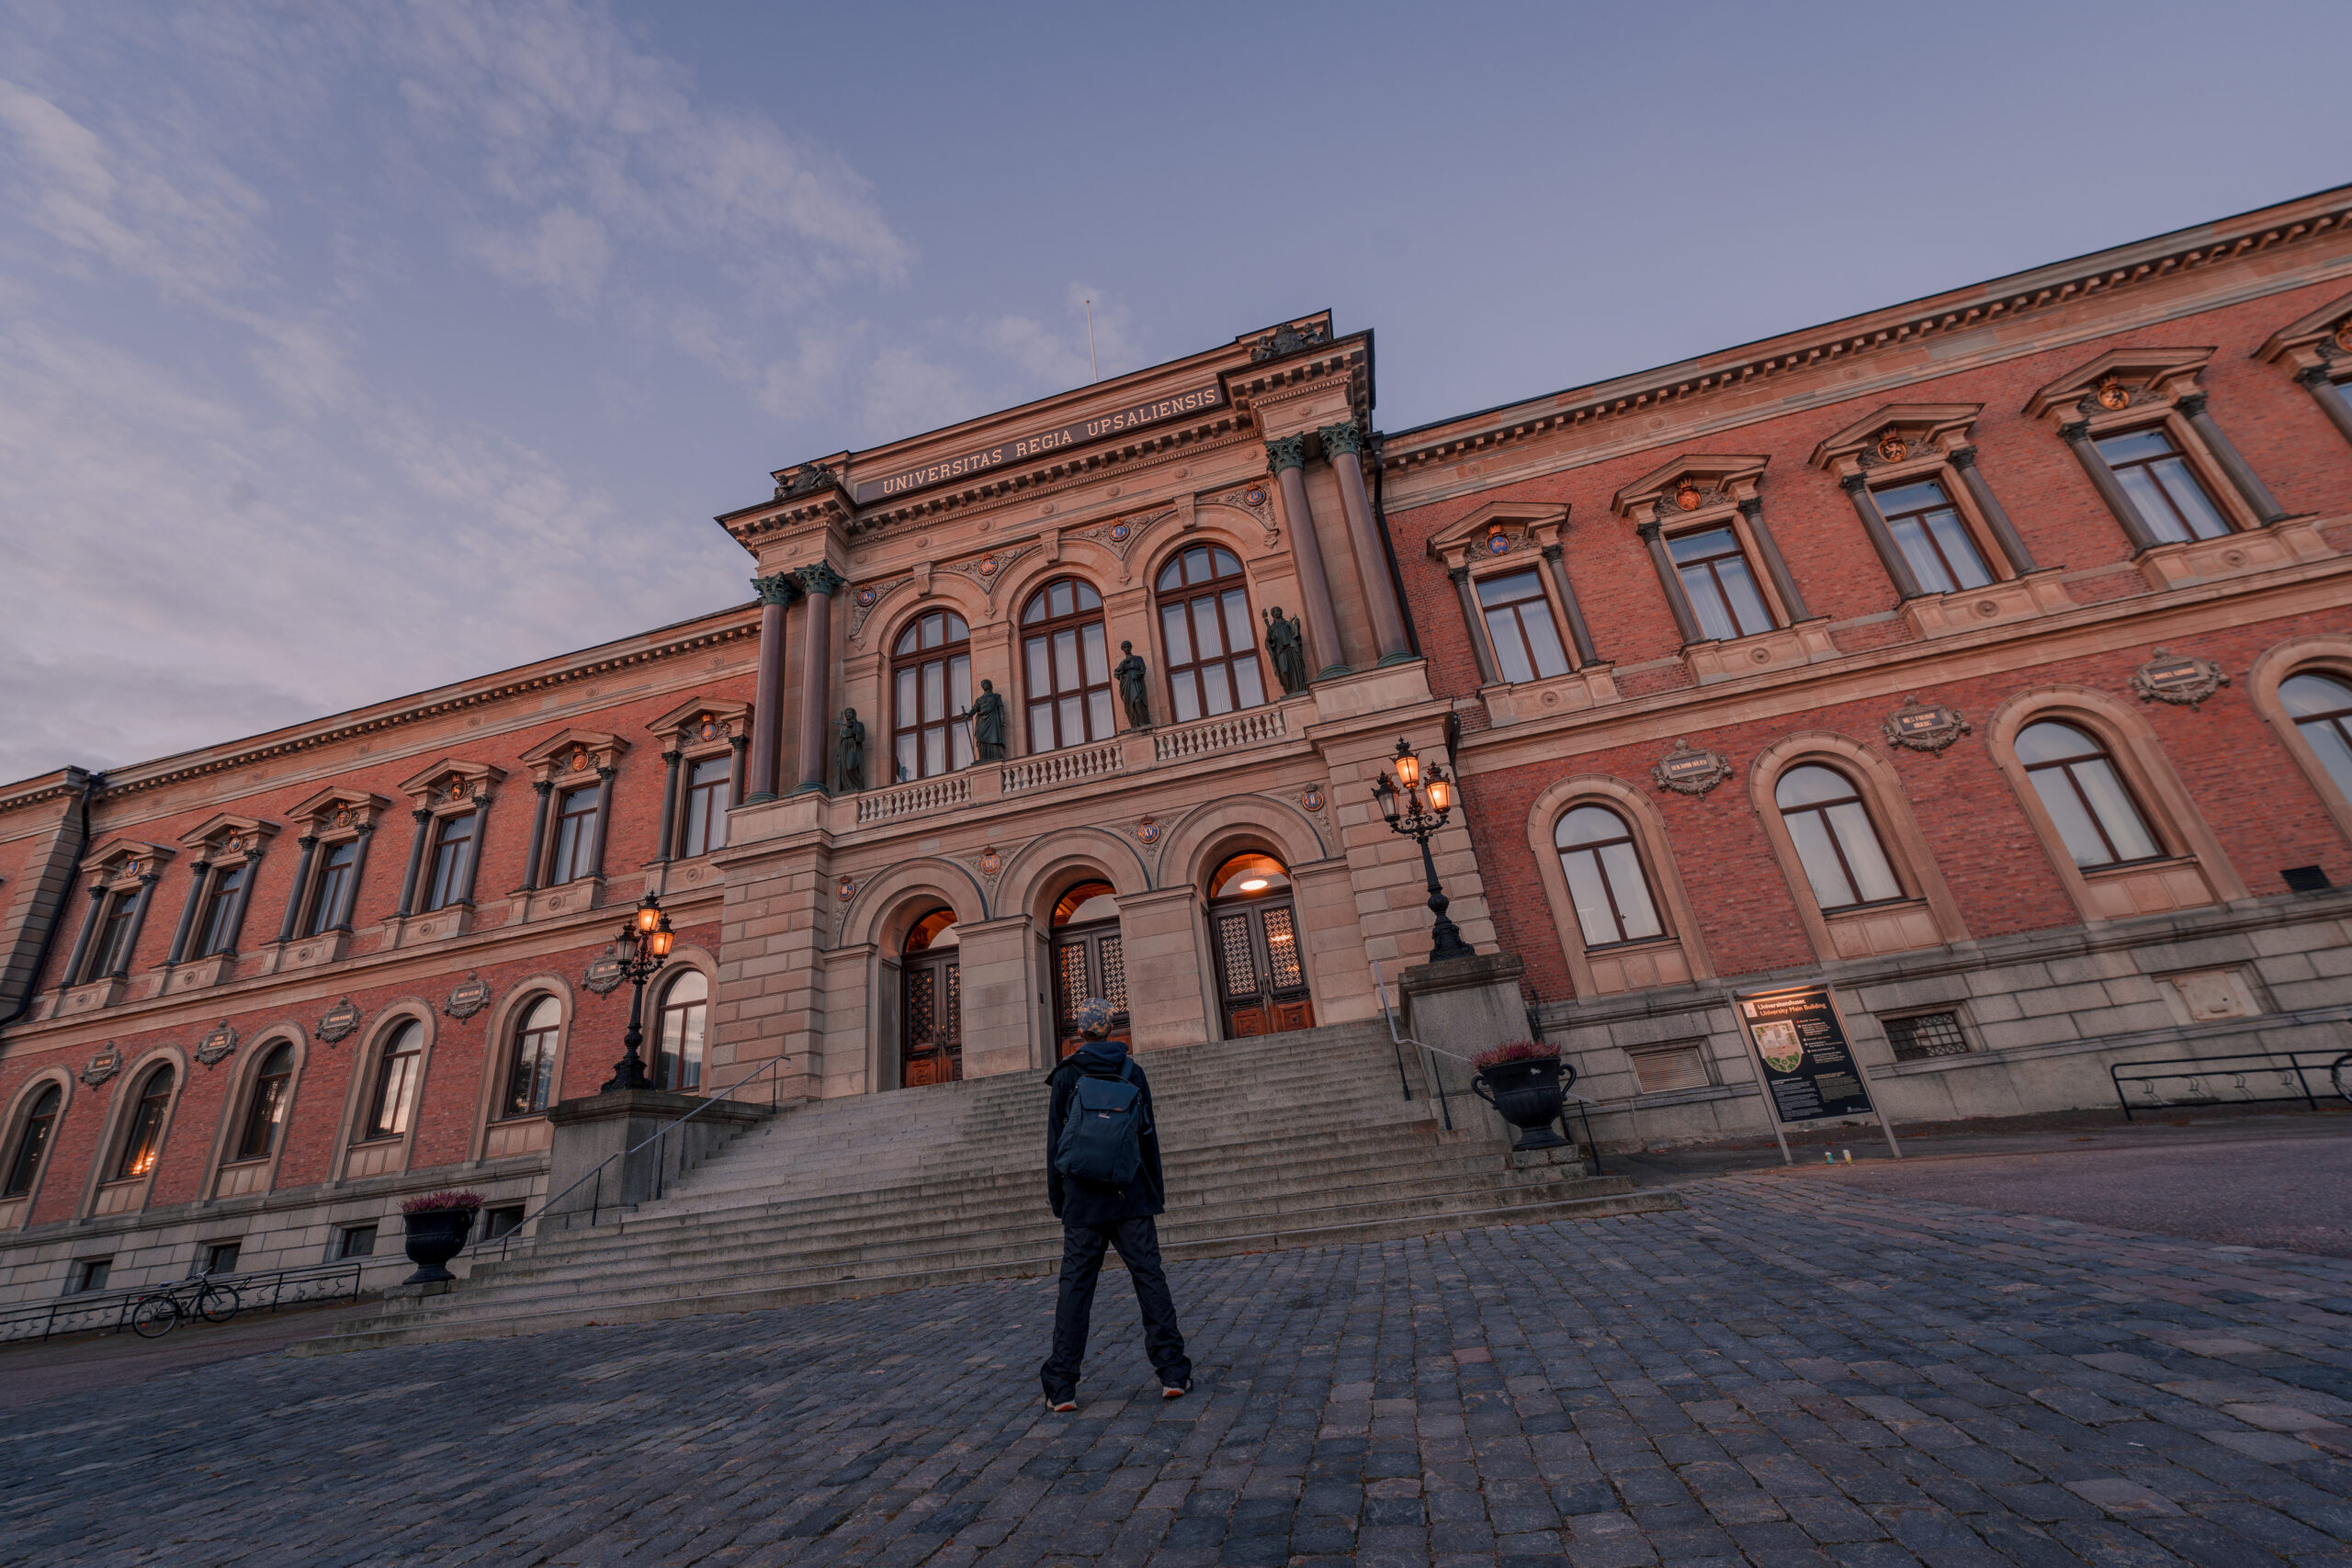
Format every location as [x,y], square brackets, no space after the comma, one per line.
[640,949]
[1417,800]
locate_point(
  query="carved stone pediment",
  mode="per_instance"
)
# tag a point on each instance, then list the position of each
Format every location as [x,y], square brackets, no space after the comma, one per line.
[450,781]
[1897,435]
[1693,487]
[1499,528]
[2121,380]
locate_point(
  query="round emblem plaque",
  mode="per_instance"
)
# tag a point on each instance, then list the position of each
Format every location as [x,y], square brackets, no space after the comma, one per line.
[2113,394]
[1893,449]
[1686,496]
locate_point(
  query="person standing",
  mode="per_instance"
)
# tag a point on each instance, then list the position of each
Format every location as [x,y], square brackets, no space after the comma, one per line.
[1103,1180]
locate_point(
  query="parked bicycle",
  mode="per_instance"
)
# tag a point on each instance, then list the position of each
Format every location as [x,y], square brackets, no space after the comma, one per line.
[2342,1073]
[158,1312]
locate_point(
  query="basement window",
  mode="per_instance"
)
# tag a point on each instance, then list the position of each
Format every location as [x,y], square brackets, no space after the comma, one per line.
[89,1274]
[506,1220]
[358,1241]
[1663,1067]
[1925,1036]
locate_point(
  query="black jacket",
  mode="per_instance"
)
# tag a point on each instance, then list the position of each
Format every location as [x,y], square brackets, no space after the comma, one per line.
[1074,1203]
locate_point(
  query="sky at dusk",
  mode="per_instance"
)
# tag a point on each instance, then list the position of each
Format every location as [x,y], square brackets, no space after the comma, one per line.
[350,348]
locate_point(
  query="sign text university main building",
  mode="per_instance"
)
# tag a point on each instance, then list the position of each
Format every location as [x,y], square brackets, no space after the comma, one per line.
[1988,657]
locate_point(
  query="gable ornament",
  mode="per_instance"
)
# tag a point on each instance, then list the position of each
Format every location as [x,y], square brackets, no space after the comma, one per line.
[1924,728]
[1690,770]
[2181,679]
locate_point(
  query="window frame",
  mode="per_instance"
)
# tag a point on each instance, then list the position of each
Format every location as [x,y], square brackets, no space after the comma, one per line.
[1858,796]
[1744,549]
[1216,589]
[1482,574]
[721,794]
[2065,766]
[1631,839]
[2328,656]
[2168,428]
[445,882]
[317,914]
[547,1072]
[1089,693]
[376,1085]
[663,1009]
[140,1131]
[18,1142]
[241,1151]
[1970,530]
[956,736]
[572,829]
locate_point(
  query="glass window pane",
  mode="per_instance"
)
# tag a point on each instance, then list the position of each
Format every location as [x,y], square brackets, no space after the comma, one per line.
[1066,671]
[1098,658]
[1959,550]
[1543,639]
[1508,590]
[934,631]
[1172,630]
[1858,838]
[2332,739]
[1073,710]
[1588,825]
[1809,785]
[2306,697]
[1702,546]
[2050,742]
[1037,610]
[2116,813]
[2074,827]
[1041,680]
[956,630]
[1746,601]
[1040,726]
[1908,498]
[1215,689]
[1250,689]
[1087,598]
[959,745]
[1593,914]
[1098,715]
[1187,691]
[2205,519]
[2148,501]
[1205,628]
[906,759]
[935,697]
[1240,633]
[1197,565]
[1228,564]
[1058,599]
[909,711]
[1707,605]
[2138,444]
[959,681]
[1819,858]
[1911,535]
[1511,654]
[1624,868]
[934,750]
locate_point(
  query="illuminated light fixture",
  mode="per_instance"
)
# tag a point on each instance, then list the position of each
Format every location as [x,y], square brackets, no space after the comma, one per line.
[1417,800]
[1255,885]
[1408,767]
[640,949]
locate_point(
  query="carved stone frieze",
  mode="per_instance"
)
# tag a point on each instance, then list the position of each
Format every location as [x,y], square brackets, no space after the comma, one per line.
[987,570]
[1256,498]
[1686,497]
[1119,534]
[868,595]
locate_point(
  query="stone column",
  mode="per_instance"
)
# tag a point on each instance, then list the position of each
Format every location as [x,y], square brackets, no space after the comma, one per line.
[82,942]
[820,583]
[605,777]
[1988,506]
[670,761]
[543,788]
[1652,533]
[1890,554]
[350,900]
[2135,527]
[1341,445]
[1284,459]
[767,699]
[138,923]
[408,884]
[245,896]
[309,842]
[1777,569]
[1460,576]
[742,744]
[473,857]
[2330,398]
[2249,483]
[187,911]
[1555,557]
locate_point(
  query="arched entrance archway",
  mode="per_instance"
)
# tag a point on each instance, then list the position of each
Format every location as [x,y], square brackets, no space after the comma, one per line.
[1088,959]
[1253,932]
[931,1003]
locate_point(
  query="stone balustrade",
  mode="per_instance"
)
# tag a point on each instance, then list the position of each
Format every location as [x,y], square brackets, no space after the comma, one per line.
[1063,767]
[909,800]
[1244,728]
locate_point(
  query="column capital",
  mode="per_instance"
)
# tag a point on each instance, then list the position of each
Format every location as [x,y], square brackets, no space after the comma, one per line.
[1289,451]
[2190,404]
[607,772]
[778,590]
[1962,458]
[2314,375]
[311,840]
[2075,433]
[1753,507]
[1650,532]
[1852,484]
[1553,552]
[1457,574]
[819,576]
[539,787]
[1343,438]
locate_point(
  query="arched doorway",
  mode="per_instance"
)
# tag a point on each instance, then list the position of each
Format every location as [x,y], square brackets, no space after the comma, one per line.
[1088,961]
[931,1009]
[1253,926]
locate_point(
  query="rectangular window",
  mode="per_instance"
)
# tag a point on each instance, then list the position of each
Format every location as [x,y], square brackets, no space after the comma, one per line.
[1519,623]
[358,1241]
[220,909]
[334,881]
[576,837]
[2163,486]
[1720,584]
[1665,1068]
[452,851]
[1927,1035]
[504,1220]
[114,936]
[89,1274]
[1928,530]
[708,783]
[220,1257]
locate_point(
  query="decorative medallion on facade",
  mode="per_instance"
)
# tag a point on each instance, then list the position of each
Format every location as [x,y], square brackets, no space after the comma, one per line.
[2181,679]
[1313,798]
[1285,341]
[103,1064]
[989,571]
[1686,497]
[605,974]
[991,862]
[471,996]
[846,889]
[338,1024]
[1147,831]
[2343,334]
[1254,496]
[868,595]
[708,729]
[1928,729]
[214,1048]
[1689,770]
[1118,535]
[2113,394]
[1893,449]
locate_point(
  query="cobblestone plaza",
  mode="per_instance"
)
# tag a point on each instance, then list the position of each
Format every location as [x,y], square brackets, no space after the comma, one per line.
[1790,1370]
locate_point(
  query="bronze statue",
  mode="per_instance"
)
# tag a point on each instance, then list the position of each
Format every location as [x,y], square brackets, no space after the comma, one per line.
[849,752]
[987,713]
[1288,649]
[1129,673]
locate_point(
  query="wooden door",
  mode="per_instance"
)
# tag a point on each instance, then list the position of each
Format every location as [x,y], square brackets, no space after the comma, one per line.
[1262,977]
[1089,960]
[931,1021]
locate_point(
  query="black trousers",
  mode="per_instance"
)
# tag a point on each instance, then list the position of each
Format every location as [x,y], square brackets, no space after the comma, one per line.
[1082,1248]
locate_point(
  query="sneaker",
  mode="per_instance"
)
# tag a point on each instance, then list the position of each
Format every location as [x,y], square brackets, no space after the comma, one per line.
[1176,1390]
[1061,1406]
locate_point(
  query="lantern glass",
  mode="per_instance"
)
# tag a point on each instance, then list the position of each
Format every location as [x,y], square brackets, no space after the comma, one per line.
[1440,795]
[1386,792]
[1409,766]
[659,942]
[649,915]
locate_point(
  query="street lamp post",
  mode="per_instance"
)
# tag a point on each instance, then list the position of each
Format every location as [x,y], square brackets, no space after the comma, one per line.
[1417,800]
[641,948]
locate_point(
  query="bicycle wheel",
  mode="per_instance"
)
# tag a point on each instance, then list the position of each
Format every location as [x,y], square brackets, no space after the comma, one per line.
[218,1303]
[155,1316]
[2343,1075]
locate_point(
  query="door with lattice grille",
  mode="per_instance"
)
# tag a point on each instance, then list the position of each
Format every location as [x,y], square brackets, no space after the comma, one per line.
[1089,960]
[1261,971]
[931,1021]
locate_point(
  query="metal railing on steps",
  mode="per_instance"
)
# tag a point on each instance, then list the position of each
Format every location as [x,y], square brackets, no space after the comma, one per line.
[109,1310]
[479,1246]
[1434,1060]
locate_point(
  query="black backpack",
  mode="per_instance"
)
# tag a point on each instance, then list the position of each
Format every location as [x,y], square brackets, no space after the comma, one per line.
[1102,1144]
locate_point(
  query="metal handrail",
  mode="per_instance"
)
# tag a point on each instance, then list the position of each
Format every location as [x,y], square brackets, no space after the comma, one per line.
[2288,1065]
[1445,1106]
[110,1310]
[596,1174]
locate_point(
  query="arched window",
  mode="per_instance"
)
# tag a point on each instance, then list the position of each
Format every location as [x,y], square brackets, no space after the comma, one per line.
[931,991]
[1069,664]
[1604,873]
[1253,928]
[33,1142]
[530,1065]
[1835,838]
[931,679]
[1212,643]
[677,1062]
[395,1087]
[266,1109]
[2086,798]
[2321,706]
[144,1139]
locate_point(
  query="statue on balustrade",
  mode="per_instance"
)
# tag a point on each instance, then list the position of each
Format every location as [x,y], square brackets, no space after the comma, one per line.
[1287,646]
[1129,673]
[987,713]
[849,752]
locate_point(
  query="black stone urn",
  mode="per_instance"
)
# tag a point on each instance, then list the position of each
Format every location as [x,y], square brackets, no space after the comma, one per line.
[431,1237]
[1529,1093]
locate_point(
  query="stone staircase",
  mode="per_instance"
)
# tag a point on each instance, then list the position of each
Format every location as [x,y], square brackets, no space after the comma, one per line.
[1297,1140]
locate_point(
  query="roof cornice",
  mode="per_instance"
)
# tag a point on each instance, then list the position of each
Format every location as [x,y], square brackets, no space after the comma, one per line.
[2045,289]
